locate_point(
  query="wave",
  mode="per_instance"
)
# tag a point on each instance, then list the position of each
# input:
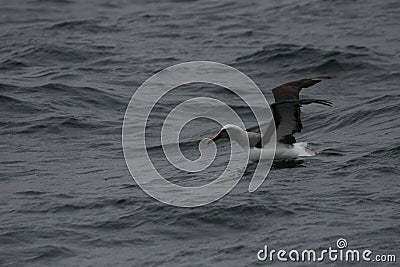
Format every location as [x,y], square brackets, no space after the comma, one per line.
[40,253]
[12,104]
[57,107]
[376,111]
[57,94]
[310,59]
[84,26]
[52,54]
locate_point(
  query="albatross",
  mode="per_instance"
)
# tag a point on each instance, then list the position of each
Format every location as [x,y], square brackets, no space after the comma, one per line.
[286,114]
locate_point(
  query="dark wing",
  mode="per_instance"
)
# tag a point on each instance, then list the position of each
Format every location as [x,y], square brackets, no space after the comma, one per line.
[287,118]
[291,90]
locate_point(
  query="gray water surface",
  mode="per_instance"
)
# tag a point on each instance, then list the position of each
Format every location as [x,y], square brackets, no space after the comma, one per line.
[69,68]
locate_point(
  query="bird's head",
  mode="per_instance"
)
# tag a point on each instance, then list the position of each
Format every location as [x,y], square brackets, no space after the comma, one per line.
[225,132]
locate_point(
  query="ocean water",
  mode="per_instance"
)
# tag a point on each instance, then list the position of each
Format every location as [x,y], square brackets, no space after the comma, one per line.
[68,69]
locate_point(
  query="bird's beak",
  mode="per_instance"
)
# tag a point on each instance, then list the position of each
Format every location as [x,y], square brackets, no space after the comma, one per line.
[214,138]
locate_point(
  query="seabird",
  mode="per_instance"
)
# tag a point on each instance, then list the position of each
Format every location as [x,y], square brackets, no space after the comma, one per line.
[286,113]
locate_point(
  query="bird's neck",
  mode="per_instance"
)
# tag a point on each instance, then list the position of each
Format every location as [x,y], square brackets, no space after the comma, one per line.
[240,136]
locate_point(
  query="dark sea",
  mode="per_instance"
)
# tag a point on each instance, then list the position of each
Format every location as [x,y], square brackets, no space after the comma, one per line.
[68,69]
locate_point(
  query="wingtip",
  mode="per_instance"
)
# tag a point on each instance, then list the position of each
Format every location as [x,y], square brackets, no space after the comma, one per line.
[323,77]
[326,102]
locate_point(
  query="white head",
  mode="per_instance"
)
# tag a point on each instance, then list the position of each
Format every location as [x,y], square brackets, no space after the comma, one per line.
[234,132]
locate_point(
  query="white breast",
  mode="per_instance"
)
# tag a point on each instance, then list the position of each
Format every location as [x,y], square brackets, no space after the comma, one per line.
[282,152]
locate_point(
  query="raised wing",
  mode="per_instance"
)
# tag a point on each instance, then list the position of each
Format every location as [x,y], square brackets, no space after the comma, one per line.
[288,120]
[291,90]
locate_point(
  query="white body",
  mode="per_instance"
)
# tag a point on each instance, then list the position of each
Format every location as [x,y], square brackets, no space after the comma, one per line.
[282,152]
